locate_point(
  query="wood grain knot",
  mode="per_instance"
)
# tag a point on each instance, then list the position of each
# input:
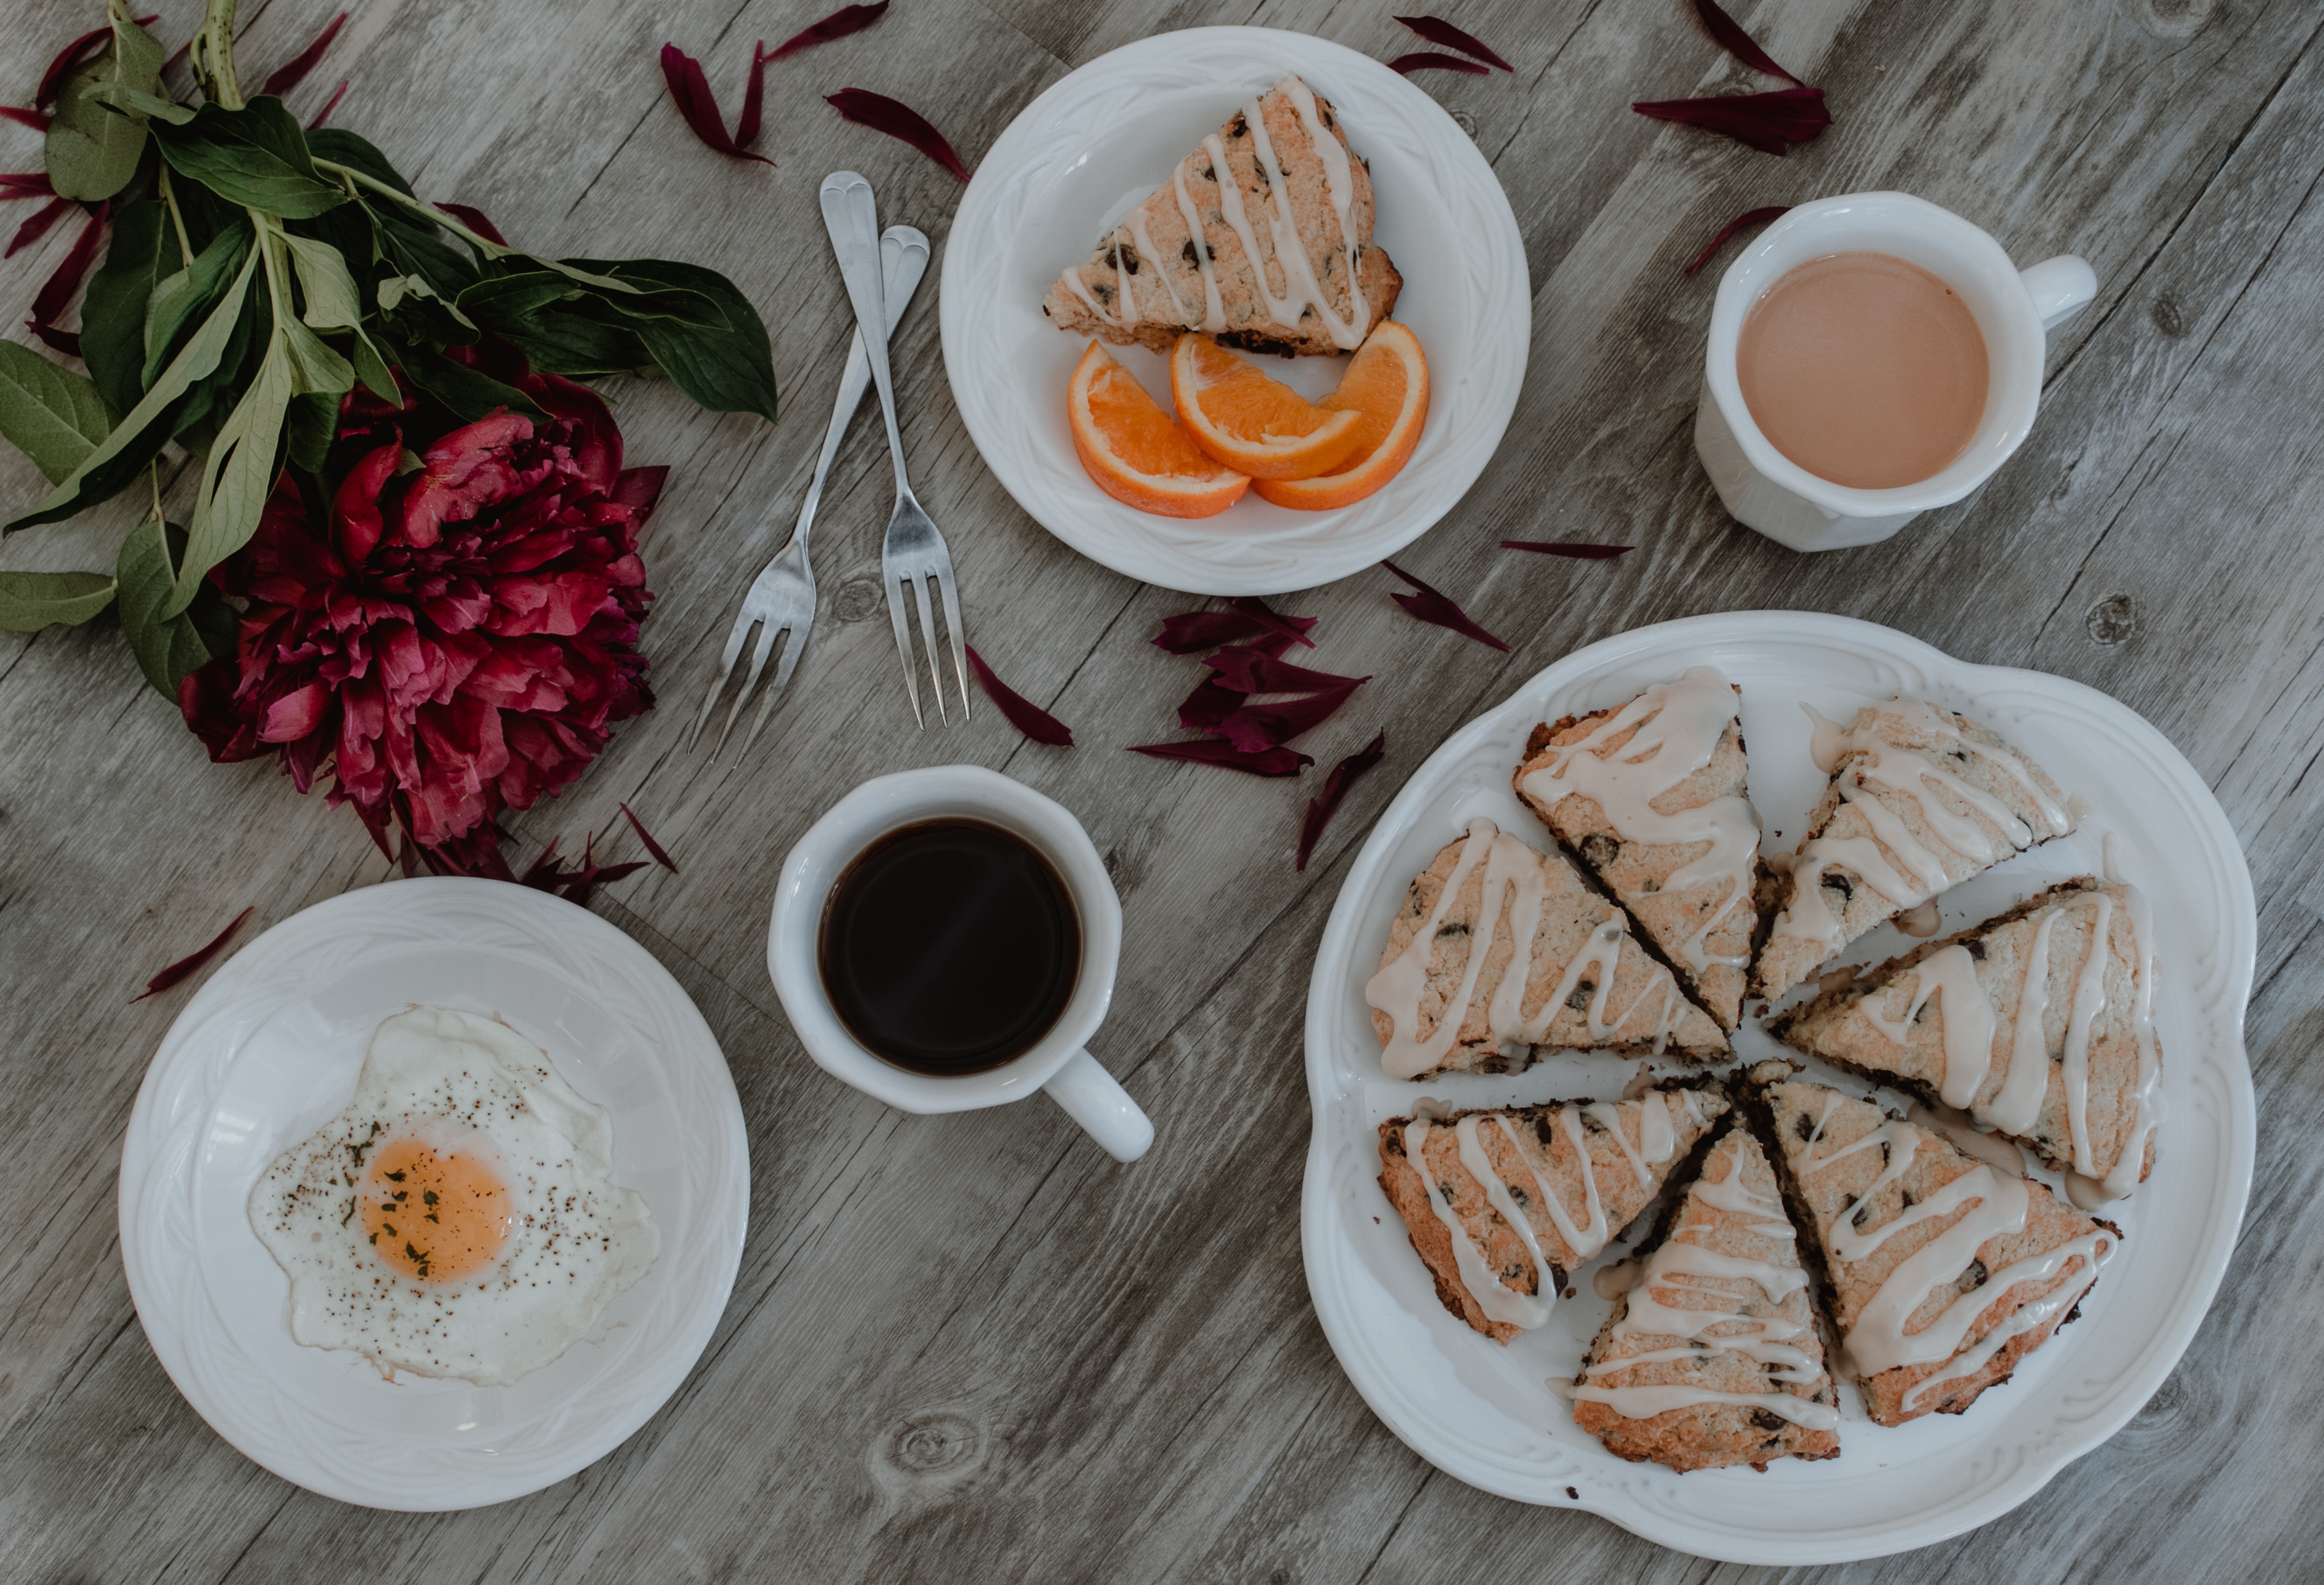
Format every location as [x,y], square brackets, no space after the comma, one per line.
[2171,19]
[2113,620]
[859,599]
[2165,315]
[938,1445]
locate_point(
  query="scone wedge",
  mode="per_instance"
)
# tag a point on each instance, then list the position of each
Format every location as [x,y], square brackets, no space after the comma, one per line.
[1921,798]
[1944,1272]
[1650,797]
[2039,1024]
[1501,950]
[1262,237]
[1503,1206]
[1713,1357]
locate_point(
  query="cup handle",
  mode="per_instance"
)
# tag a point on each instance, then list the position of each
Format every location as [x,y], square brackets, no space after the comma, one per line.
[2059,286]
[1095,1099]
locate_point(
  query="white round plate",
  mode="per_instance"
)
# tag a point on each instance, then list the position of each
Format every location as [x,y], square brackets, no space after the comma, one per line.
[271,1047]
[1486,1414]
[1101,138]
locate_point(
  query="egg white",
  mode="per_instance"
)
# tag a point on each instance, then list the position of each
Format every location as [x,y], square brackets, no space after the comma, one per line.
[579,1241]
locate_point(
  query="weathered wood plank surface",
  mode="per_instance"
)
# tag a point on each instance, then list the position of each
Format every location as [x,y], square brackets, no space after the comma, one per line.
[972,1347]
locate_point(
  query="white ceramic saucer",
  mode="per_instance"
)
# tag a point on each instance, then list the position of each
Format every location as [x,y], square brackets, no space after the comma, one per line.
[1487,1416]
[271,1046]
[1098,142]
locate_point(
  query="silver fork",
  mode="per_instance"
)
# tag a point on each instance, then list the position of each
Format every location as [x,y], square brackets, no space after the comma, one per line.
[781,598]
[914,552]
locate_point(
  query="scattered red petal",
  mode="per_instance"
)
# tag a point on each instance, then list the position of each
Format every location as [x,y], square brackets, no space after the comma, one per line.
[48,306]
[691,90]
[1743,222]
[1023,715]
[25,184]
[66,342]
[898,120]
[192,963]
[81,49]
[846,20]
[542,874]
[661,856]
[330,105]
[474,220]
[754,97]
[1768,121]
[1429,61]
[578,888]
[1735,42]
[1325,804]
[1210,750]
[1573,548]
[1437,31]
[1254,727]
[293,72]
[1211,702]
[37,227]
[24,117]
[1250,669]
[1432,606]
[1245,618]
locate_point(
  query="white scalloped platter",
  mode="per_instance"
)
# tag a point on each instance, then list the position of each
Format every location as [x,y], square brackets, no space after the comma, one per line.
[1487,1416]
[1093,147]
[271,1047]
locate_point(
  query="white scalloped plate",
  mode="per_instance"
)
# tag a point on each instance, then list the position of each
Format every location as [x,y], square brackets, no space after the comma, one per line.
[1101,138]
[1486,1414]
[271,1046]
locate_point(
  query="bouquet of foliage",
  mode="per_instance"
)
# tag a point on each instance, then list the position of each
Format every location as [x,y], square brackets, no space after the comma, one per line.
[410,560]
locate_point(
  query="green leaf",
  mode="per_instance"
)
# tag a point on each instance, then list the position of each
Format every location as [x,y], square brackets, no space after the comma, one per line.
[93,149]
[239,473]
[315,368]
[139,105]
[314,424]
[167,646]
[332,303]
[341,147]
[30,601]
[557,342]
[255,156]
[728,371]
[179,298]
[113,314]
[499,299]
[51,415]
[468,392]
[137,437]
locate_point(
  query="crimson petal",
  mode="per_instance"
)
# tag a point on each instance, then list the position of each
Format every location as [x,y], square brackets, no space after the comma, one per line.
[660,855]
[1325,804]
[1573,548]
[1245,617]
[1437,31]
[192,963]
[1211,702]
[57,291]
[25,184]
[1429,61]
[24,117]
[474,220]
[330,105]
[898,120]
[37,227]
[53,79]
[1766,122]
[846,20]
[1743,222]
[1735,42]
[1250,669]
[293,72]
[1255,727]
[1210,750]
[1023,715]
[691,90]
[1433,605]
[754,97]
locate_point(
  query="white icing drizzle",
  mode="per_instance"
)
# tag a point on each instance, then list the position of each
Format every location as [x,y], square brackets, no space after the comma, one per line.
[1658,1141]
[1949,973]
[1126,304]
[1301,290]
[1669,1299]
[2090,1000]
[1679,728]
[2146,1098]
[1915,776]
[2093,1247]
[1214,313]
[1514,876]
[1144,240]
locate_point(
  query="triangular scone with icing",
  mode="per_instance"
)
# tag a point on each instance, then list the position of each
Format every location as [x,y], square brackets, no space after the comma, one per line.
[1921,799]
[1500,949]
[2039,1024]
[1651,798]
[1492,1199]
[1945,1271]
[1713,1359]
[1277,258]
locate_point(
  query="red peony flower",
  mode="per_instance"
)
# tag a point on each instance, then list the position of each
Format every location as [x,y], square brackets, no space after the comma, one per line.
[458,638]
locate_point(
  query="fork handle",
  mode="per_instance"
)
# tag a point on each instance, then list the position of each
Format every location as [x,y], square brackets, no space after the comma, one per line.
[851,214]
[903,259]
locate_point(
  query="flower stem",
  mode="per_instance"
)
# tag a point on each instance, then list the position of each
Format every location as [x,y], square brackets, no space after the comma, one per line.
[490,248]
[177,218]
[213,56]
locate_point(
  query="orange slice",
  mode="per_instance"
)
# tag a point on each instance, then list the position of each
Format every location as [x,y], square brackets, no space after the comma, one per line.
[1134,452]
[1386,387]
[1252,424]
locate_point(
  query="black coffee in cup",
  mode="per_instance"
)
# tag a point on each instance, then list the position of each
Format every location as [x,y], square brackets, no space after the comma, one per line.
[949,946]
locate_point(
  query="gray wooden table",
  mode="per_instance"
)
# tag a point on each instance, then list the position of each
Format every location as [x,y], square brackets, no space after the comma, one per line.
[974,1347]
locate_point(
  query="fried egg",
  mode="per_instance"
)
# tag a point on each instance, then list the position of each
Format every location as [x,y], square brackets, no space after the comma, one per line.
[458,1217]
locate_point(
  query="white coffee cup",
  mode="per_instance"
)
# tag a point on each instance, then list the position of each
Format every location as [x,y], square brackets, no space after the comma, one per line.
[1768,490]
[1058,1064]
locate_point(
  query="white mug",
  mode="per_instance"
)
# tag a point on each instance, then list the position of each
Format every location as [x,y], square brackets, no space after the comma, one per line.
[1058,1064]
[1768,490]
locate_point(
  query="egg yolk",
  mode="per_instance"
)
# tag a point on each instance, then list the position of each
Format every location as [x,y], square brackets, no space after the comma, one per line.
[434,1218]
